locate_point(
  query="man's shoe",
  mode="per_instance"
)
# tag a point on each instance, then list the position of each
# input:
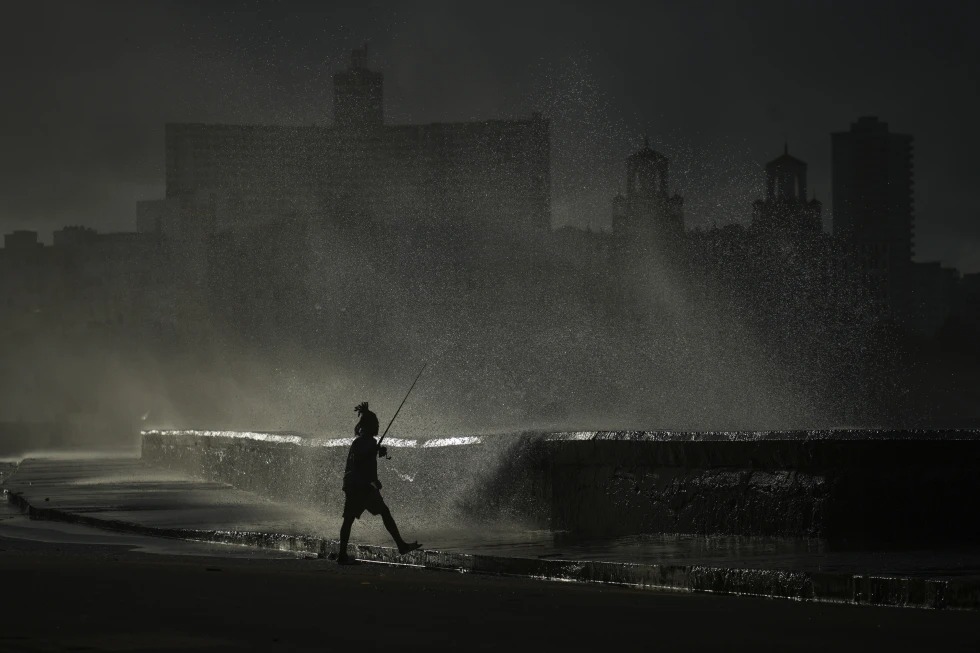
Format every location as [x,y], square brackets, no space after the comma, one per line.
[346,560]
[407,547]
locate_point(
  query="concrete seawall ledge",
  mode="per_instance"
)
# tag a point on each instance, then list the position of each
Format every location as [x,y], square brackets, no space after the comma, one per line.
[311,440]
[851,486]
[795,585]
[766,436]
[308,440]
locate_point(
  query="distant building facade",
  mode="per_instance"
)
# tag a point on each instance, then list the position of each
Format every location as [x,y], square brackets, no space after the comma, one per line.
[21,240]
[87,282]
[873,208]
[483,184]
[648,216]
[935,294]
[358,95]
[785,214]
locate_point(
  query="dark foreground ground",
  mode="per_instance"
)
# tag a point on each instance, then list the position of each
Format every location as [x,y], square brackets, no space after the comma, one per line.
[97,597]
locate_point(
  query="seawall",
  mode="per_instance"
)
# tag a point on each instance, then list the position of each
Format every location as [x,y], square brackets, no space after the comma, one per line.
[850,486]
[441,480]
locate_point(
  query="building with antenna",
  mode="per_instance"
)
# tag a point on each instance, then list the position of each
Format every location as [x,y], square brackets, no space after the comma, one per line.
[484,184]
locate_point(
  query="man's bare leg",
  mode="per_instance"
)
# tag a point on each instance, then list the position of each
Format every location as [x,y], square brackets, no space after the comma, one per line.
[389,522]
[344,539]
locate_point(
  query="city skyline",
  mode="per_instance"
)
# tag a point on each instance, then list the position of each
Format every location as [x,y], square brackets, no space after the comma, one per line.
[601,98]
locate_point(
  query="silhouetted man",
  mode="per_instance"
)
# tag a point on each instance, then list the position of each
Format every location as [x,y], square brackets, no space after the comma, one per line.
[361,484]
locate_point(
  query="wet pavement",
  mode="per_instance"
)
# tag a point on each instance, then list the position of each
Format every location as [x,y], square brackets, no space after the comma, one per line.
[15,526]
[128,491]
[129,495]
[69,598]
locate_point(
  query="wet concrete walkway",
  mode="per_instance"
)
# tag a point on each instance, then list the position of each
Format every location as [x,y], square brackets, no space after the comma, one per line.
[130,496]
[72,598]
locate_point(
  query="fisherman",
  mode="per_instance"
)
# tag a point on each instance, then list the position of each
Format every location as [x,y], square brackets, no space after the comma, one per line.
[361,484]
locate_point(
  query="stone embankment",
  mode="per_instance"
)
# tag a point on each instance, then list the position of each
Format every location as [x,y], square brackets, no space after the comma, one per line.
[846,486]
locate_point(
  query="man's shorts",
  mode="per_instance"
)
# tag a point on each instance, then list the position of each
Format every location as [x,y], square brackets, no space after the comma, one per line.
[358,501]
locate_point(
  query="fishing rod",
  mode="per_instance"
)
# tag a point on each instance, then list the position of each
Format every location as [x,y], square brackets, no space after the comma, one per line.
[402,403]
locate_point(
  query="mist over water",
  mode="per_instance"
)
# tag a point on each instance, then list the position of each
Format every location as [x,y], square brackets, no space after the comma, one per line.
[500,365]
[302,315]
[506,356]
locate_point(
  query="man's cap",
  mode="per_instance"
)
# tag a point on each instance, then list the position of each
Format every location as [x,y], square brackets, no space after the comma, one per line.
[361,407]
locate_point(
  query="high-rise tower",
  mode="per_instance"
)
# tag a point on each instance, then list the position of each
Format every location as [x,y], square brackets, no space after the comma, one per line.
[873,206]
[358,94]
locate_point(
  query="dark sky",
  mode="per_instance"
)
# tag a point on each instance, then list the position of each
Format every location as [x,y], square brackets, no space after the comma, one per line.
[87,87]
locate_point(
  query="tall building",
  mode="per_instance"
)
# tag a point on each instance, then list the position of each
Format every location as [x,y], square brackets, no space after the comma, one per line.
[483,184]
[648,216]
[873,207]
[648,238]
[785,214]
[358,94]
